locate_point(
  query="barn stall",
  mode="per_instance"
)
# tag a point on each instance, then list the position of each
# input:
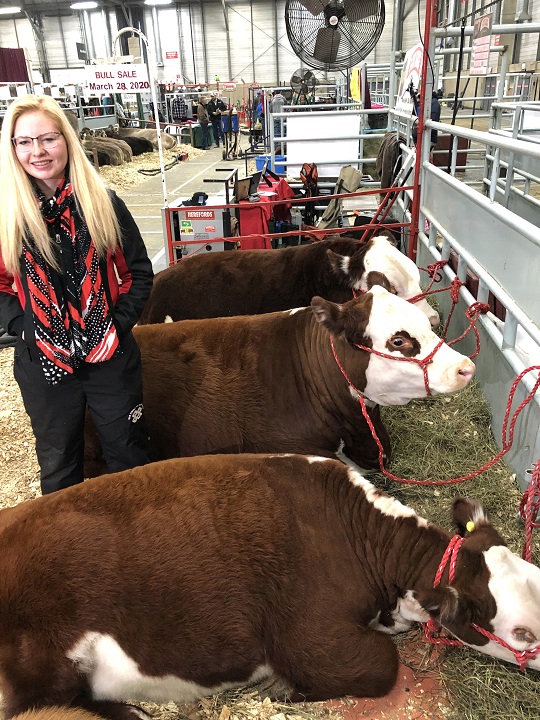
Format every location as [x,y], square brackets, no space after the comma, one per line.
[496,246]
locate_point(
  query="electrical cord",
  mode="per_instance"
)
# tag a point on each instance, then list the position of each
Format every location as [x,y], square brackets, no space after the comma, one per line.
[156,171]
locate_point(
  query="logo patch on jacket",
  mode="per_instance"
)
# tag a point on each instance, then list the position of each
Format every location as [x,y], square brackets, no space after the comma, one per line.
[136,414]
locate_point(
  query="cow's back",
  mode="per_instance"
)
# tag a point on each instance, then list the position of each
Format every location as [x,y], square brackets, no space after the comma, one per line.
[247,282]
[231,385]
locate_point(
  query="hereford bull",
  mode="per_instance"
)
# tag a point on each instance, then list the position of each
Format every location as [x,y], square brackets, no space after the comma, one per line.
[261,281]
[195,575]
[271,383]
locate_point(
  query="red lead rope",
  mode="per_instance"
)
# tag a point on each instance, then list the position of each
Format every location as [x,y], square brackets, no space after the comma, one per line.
[529,509]
[431,627]
[450,554]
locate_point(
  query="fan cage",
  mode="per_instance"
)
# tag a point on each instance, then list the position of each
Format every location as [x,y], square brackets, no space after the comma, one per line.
[303,81]
[325,47]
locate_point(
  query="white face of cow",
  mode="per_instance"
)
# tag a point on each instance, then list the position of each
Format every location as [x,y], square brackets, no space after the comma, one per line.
[399,329]
[515,586]
[402,273]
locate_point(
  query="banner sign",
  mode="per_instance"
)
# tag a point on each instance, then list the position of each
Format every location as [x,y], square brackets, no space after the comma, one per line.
[411,73]
[480,45]
[171,55]
[117,78]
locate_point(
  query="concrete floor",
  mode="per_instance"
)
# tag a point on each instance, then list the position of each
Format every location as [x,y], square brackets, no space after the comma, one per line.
[145,201]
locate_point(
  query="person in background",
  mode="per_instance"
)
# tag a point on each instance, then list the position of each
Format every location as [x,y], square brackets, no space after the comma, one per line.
[302,100]
[82,276]
[215,107]
[204,120]
[179,109]
[258,116]
[276,105]
[108,102]
[435,112]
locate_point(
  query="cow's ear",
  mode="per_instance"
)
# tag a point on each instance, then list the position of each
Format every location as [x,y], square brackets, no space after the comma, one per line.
[350,266]
[338,263]
[468,515]
[348,320]
[328,314]
[324,310]
[451,609]
[441,603]
[472,521]
[454,610]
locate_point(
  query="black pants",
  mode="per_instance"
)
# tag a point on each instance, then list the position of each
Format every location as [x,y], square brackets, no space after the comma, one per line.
[112,390]
[218,131]
[204,136]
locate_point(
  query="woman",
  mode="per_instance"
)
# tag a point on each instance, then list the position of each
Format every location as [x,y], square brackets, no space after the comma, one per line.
[82,277]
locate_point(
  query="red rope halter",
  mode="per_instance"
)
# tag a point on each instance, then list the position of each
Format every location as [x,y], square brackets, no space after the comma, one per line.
[431,627]
[507,433]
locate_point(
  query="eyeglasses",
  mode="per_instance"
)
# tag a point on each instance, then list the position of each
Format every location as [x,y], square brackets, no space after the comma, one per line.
[48,141]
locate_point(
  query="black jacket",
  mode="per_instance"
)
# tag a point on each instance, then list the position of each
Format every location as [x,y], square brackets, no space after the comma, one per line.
[127,276]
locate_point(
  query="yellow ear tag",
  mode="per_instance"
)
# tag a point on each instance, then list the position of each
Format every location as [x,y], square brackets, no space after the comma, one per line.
[470,526]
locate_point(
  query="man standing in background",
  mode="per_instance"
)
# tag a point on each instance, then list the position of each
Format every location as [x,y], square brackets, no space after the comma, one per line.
[204,120]
[215,108]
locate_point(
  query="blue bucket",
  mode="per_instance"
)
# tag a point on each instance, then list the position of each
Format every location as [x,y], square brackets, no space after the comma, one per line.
[279,168]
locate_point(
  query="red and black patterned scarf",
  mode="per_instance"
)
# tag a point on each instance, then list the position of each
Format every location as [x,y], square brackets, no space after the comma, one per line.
[72,320]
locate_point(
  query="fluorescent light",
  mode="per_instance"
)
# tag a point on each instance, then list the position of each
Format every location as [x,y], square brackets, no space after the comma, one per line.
[157,2]
[9,10]
[87,5]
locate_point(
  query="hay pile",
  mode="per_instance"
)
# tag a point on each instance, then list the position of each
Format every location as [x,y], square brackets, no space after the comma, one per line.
[127,175]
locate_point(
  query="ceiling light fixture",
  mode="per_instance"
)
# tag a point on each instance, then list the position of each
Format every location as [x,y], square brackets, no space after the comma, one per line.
[87,5]
[9,10]
[158,2]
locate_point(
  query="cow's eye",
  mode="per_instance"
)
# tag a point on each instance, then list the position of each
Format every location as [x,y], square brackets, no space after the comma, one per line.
[403,343]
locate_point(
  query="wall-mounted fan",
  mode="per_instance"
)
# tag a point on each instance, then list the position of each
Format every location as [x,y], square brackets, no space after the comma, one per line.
[334,35]
[303,82]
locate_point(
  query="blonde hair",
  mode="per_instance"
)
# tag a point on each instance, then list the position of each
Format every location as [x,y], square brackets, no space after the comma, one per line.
[20,215]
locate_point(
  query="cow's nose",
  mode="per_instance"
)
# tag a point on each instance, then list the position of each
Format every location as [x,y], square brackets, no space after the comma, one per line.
[466,369]
[434,319]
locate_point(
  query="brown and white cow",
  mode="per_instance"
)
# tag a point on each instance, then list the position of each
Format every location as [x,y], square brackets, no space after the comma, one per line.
[252,282]
[191,576]
[270,383]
